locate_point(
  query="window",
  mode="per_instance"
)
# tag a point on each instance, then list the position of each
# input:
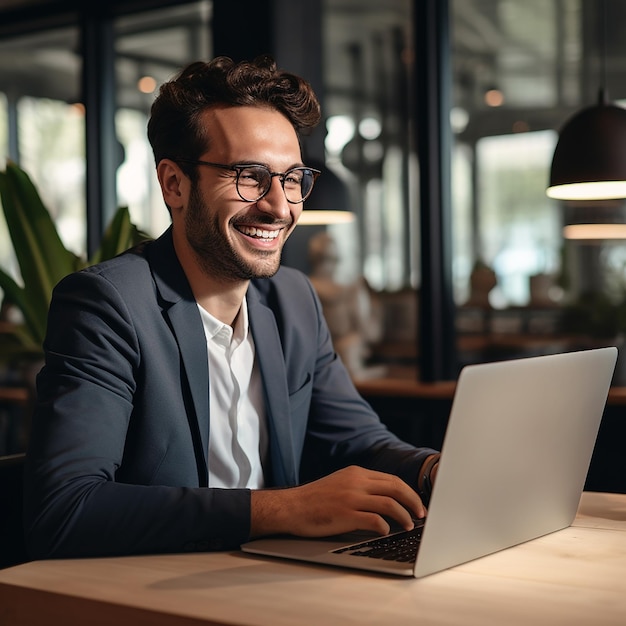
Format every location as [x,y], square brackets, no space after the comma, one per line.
[42,125]
[367,53]
[520,69]
[42,121]
[519,228]
[150,47]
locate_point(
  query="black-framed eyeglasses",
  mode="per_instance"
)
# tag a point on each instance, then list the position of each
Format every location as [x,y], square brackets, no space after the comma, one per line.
[254,180]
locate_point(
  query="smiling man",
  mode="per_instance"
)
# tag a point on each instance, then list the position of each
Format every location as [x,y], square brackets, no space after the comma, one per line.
[191,398]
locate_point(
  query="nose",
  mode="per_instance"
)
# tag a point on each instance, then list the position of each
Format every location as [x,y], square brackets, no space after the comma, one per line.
[274,201]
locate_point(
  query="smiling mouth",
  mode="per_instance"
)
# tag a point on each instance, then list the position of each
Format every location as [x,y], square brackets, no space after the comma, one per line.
[258,233]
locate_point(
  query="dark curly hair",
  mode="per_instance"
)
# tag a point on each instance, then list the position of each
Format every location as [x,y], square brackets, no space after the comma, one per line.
[174,127]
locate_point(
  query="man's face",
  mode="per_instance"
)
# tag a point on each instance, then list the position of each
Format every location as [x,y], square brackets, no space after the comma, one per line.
[233,239]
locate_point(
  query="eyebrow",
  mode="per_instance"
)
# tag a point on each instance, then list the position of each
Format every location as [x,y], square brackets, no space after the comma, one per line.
[238,163]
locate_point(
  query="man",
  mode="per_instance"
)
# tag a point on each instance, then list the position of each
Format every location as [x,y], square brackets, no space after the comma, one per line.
[191,398]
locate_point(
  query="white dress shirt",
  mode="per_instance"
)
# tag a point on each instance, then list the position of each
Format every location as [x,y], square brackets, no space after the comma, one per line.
[238,430]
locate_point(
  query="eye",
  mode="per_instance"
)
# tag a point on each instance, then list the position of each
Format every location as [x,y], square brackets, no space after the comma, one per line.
[253,176]
[293,178]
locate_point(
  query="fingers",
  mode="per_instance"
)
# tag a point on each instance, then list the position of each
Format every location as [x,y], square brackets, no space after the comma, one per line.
[350,499]
[371,522]
[404,500]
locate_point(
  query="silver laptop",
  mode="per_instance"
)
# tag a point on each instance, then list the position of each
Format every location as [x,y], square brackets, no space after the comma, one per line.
[513,466]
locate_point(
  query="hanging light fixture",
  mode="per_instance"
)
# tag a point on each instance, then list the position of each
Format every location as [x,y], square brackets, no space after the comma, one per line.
[589,161]
[594,220]
[329,202]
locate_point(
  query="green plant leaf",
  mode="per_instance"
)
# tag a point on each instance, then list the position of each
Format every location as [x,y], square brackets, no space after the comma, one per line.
[34,321]
[59,260]
[120,235]
[42,258]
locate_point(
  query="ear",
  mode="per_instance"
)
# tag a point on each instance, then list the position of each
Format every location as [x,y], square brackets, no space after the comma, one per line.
[174,184]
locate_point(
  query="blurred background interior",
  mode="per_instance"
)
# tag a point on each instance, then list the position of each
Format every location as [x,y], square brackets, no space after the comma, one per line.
[441,118]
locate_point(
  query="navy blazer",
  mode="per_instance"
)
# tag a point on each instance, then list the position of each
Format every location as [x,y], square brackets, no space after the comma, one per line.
[117,460]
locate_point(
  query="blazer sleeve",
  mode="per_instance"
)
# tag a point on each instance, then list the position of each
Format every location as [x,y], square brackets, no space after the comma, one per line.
[111,468]
[342,428]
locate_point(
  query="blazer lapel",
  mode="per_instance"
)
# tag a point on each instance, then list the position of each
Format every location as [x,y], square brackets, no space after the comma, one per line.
[180,308]
[272,365]
[184,316]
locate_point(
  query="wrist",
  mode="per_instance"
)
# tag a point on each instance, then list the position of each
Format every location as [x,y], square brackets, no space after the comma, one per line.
[269,512]
[426,477]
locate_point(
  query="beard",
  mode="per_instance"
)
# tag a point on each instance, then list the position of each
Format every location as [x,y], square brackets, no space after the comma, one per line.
[215,254]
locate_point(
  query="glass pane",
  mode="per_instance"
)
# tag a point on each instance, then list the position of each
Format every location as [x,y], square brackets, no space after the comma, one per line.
[150,47]
[42,130]
[40,80]
[367,53]
[51,143]
[521,69]
[366,48]
[519,228]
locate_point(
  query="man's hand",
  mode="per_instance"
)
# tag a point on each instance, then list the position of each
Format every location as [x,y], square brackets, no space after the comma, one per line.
[350,499]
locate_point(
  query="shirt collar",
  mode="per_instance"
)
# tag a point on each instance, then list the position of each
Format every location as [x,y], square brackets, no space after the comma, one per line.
[215,327]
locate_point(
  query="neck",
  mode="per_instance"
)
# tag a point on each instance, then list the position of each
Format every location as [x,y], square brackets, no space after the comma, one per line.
[223,306]
[221,298]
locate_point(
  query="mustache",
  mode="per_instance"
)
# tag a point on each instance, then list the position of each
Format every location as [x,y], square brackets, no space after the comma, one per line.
[259,218]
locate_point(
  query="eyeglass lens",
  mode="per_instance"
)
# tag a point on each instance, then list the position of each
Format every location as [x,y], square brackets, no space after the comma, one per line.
[254,181]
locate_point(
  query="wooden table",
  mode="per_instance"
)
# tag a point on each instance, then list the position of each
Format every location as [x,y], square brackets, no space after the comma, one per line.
[576,576]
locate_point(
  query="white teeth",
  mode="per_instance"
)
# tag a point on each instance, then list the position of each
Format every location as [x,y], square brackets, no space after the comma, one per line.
[257,232]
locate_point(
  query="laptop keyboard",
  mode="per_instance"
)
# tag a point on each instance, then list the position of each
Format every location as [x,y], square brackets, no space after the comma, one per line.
[401,547]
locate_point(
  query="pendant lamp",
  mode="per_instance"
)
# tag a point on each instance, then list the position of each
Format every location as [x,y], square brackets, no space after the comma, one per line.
[589,161]
[592,221]
[329,202]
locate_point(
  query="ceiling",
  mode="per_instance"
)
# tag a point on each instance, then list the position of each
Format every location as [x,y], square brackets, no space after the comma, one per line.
[544,55]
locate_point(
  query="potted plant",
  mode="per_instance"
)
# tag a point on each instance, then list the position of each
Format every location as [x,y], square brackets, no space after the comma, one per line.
[41,255]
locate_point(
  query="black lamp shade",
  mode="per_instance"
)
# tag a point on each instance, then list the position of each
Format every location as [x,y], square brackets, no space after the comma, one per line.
[329,202]
[591,149]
